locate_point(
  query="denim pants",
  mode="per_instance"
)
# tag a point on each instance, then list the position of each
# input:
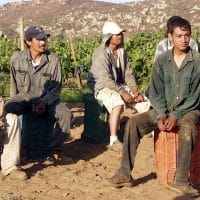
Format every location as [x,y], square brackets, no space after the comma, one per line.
[144,123]
[59,112]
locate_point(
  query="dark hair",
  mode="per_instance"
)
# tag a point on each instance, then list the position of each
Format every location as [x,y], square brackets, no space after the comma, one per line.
[179,22]
[169,21]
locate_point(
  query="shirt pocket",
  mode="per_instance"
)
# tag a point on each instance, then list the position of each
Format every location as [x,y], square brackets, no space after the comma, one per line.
[186,83]
[45,81]
[23,81]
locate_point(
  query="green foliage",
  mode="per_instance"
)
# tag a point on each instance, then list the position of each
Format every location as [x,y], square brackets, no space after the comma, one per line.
[4,84]
[73,94]
[61,47]
[84,47]
[4,89]
[7,47]
[78,51]
[141,50]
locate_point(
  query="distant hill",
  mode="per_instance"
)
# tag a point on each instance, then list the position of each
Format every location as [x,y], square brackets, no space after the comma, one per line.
[86,17]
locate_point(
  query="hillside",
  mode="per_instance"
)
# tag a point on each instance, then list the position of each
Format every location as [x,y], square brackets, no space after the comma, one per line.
[85,17]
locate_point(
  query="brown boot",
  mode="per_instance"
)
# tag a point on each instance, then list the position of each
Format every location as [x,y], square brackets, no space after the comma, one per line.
[187,190]
[120,181]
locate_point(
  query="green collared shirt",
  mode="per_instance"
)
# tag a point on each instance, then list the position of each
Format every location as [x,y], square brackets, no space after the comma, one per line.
[175,91]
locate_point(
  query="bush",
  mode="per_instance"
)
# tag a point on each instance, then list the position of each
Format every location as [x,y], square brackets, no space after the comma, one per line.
[7,48]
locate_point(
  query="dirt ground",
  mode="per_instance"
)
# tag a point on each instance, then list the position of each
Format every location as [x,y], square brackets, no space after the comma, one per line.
[82,174]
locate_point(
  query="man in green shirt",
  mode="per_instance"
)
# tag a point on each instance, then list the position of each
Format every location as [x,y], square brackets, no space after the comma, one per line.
[174,96]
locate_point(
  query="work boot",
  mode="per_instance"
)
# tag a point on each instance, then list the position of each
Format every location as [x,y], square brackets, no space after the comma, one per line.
[187,190]
[120,181]
[17,174]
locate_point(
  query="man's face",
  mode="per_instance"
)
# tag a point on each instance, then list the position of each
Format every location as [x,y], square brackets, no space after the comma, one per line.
[117,39]
[180,38]
[38,46]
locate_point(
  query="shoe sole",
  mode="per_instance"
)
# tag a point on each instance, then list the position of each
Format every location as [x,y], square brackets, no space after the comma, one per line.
[18,178]
[180,192]
[120,185]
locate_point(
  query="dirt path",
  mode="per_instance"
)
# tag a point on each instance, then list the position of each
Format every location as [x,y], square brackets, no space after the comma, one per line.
[83,174]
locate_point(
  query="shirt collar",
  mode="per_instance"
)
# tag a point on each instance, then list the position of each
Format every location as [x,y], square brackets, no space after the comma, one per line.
[43,60]
[188,58]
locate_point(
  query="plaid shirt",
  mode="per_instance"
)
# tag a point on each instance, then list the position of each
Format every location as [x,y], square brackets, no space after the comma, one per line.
[165,45]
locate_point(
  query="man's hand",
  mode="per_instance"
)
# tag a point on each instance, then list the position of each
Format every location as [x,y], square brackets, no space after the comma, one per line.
[170,123]
[161,124]
[40,109]
[127,98]
[138,97]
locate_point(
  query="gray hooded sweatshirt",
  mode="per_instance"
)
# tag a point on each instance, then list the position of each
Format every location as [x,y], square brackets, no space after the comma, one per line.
[103,72]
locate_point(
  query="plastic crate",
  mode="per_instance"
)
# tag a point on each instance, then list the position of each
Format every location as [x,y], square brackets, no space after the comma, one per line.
[36,133]
[166,150]
[96,128]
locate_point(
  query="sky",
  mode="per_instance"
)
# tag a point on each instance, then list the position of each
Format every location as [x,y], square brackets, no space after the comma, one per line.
[113,1]
[6,1]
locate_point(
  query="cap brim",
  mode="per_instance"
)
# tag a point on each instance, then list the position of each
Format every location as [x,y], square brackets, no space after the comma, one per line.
[123,30]
[42,36]
[118,32]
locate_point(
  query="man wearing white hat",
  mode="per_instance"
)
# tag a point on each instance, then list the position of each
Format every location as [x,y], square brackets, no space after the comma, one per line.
[110,75]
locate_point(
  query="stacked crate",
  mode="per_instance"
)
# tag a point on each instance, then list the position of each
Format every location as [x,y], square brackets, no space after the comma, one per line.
[166,151]
[37,132]
[96,128]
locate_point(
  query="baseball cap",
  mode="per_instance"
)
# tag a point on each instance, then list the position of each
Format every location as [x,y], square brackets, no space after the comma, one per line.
[35,32]
[112,28]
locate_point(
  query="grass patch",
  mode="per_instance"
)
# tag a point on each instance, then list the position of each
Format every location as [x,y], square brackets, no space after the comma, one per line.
[73,96]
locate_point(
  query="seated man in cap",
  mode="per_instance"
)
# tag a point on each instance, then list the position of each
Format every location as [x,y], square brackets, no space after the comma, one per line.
[36,81]
[111,77]
[10,142]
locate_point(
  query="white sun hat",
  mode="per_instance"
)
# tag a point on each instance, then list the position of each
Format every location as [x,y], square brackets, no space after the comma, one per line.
[112,28]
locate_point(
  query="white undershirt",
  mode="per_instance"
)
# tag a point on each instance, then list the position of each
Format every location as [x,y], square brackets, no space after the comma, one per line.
[35,64]
[117,59]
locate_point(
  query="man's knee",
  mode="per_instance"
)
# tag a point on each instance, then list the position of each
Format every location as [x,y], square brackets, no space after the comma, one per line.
[9,107]
[188,122]
[63,111]
[118,108]
[190,119]
[188,130]
[188,125]
[11,118]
